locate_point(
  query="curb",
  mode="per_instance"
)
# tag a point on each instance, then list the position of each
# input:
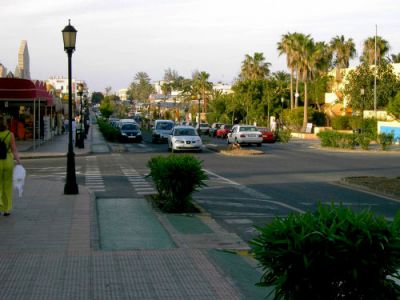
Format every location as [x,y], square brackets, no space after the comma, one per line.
[366,189]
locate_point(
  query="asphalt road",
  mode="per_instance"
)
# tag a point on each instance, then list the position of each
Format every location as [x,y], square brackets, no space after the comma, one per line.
[241,191]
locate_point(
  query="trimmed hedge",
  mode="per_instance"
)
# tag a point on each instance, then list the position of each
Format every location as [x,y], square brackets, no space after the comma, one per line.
[176,177]
[109,132]
[332,253]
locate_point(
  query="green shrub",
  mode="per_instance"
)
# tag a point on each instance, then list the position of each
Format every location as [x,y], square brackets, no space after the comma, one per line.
[363,139]
[332,253]
[341,123]
[176,177]
[293,118]
[109,132]
[385,140]
[329,138]
[283,135]
[347,140]
[369,126]
[318,118]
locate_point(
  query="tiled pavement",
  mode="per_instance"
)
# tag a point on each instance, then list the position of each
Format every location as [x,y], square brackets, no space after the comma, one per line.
[49,249]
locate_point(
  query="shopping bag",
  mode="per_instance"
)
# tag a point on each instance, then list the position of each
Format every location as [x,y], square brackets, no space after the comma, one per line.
[19,179]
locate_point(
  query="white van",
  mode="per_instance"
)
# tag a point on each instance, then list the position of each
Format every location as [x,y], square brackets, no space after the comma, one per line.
[161,130]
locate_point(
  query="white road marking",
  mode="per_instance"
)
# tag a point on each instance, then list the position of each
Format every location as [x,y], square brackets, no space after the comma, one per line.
[254,193]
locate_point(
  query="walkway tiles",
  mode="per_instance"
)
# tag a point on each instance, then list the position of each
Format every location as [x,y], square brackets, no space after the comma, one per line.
[130,224]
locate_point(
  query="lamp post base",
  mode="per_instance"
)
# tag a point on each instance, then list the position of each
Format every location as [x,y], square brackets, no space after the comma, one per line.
[71,187]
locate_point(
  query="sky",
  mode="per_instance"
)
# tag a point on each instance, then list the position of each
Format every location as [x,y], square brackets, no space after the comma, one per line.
[118,38]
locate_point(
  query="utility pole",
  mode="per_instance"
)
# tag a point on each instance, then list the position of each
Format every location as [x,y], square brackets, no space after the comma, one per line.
[376,71]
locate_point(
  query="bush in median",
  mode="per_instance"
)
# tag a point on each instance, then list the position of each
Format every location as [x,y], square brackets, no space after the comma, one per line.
[176,177]
[385,140]
[333,253]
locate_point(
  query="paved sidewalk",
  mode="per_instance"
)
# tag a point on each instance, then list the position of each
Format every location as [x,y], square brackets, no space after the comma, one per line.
[51,247]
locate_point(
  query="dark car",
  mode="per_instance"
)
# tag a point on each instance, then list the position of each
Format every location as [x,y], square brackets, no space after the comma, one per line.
[267,134]
[130,132]
[213,129]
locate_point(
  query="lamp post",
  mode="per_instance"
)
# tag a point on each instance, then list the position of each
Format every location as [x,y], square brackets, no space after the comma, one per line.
[69,38]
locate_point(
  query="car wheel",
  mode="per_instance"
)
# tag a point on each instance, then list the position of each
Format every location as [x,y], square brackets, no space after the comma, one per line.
[259,145]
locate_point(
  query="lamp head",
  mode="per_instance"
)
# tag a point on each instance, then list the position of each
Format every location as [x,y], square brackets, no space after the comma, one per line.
[69,37]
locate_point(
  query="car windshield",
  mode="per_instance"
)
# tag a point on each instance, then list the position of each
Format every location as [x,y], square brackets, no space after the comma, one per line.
[185,131]
[164,126]
[203,125]
[129,127]
[248,128]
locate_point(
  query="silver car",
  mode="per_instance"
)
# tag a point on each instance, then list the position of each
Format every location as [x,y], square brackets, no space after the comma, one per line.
[161,130]
[184,138]
[245,134]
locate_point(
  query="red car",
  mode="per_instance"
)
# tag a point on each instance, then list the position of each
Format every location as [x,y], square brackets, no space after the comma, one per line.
[267,134]
[223,131]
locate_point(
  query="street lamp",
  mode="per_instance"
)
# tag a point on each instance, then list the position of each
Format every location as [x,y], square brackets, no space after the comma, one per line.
[69,38]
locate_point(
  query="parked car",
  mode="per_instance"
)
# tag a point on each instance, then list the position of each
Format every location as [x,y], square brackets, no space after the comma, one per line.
[184,138]
[129,131]
[267,134]
[245,134]
[114,122]
[213,129]
[203,128]
[223,131]
[161,130]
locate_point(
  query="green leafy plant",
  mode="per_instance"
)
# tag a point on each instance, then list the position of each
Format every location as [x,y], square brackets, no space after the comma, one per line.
[109,132]
[176,177]
[385,140]
[335,139]
[341,123]
[332,253]
[283,135]
[364,139]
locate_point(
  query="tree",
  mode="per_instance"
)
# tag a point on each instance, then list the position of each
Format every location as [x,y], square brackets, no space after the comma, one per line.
[382,48]
[171,75]
[313,60]
[395,58]
[140,88]
[363,78]
[394,106]
[254,67]
[286,46]
[344,50]
[203,86]
[97,97]
[106,107]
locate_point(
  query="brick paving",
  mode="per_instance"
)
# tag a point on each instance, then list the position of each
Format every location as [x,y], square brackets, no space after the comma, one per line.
[49,250]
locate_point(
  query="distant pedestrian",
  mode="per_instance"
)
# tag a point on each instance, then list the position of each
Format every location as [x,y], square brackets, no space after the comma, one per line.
[6,167]
[73,129]
[66,124]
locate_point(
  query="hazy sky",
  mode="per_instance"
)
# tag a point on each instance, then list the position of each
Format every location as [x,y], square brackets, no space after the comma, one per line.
[116,39]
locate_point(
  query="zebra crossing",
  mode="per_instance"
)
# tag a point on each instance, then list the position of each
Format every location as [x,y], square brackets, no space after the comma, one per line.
[93,178]
[138,182]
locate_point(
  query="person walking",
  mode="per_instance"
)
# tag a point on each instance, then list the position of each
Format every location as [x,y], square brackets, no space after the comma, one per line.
[7,167]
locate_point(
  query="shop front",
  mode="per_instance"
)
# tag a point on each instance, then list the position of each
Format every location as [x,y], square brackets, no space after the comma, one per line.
[28,107]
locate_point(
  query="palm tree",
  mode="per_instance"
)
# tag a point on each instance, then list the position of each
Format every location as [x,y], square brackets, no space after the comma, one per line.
[286,46]
[344,50]
[299,42]
[313,60]
[203,86]
[395,58]
[382,48]
[254,67]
